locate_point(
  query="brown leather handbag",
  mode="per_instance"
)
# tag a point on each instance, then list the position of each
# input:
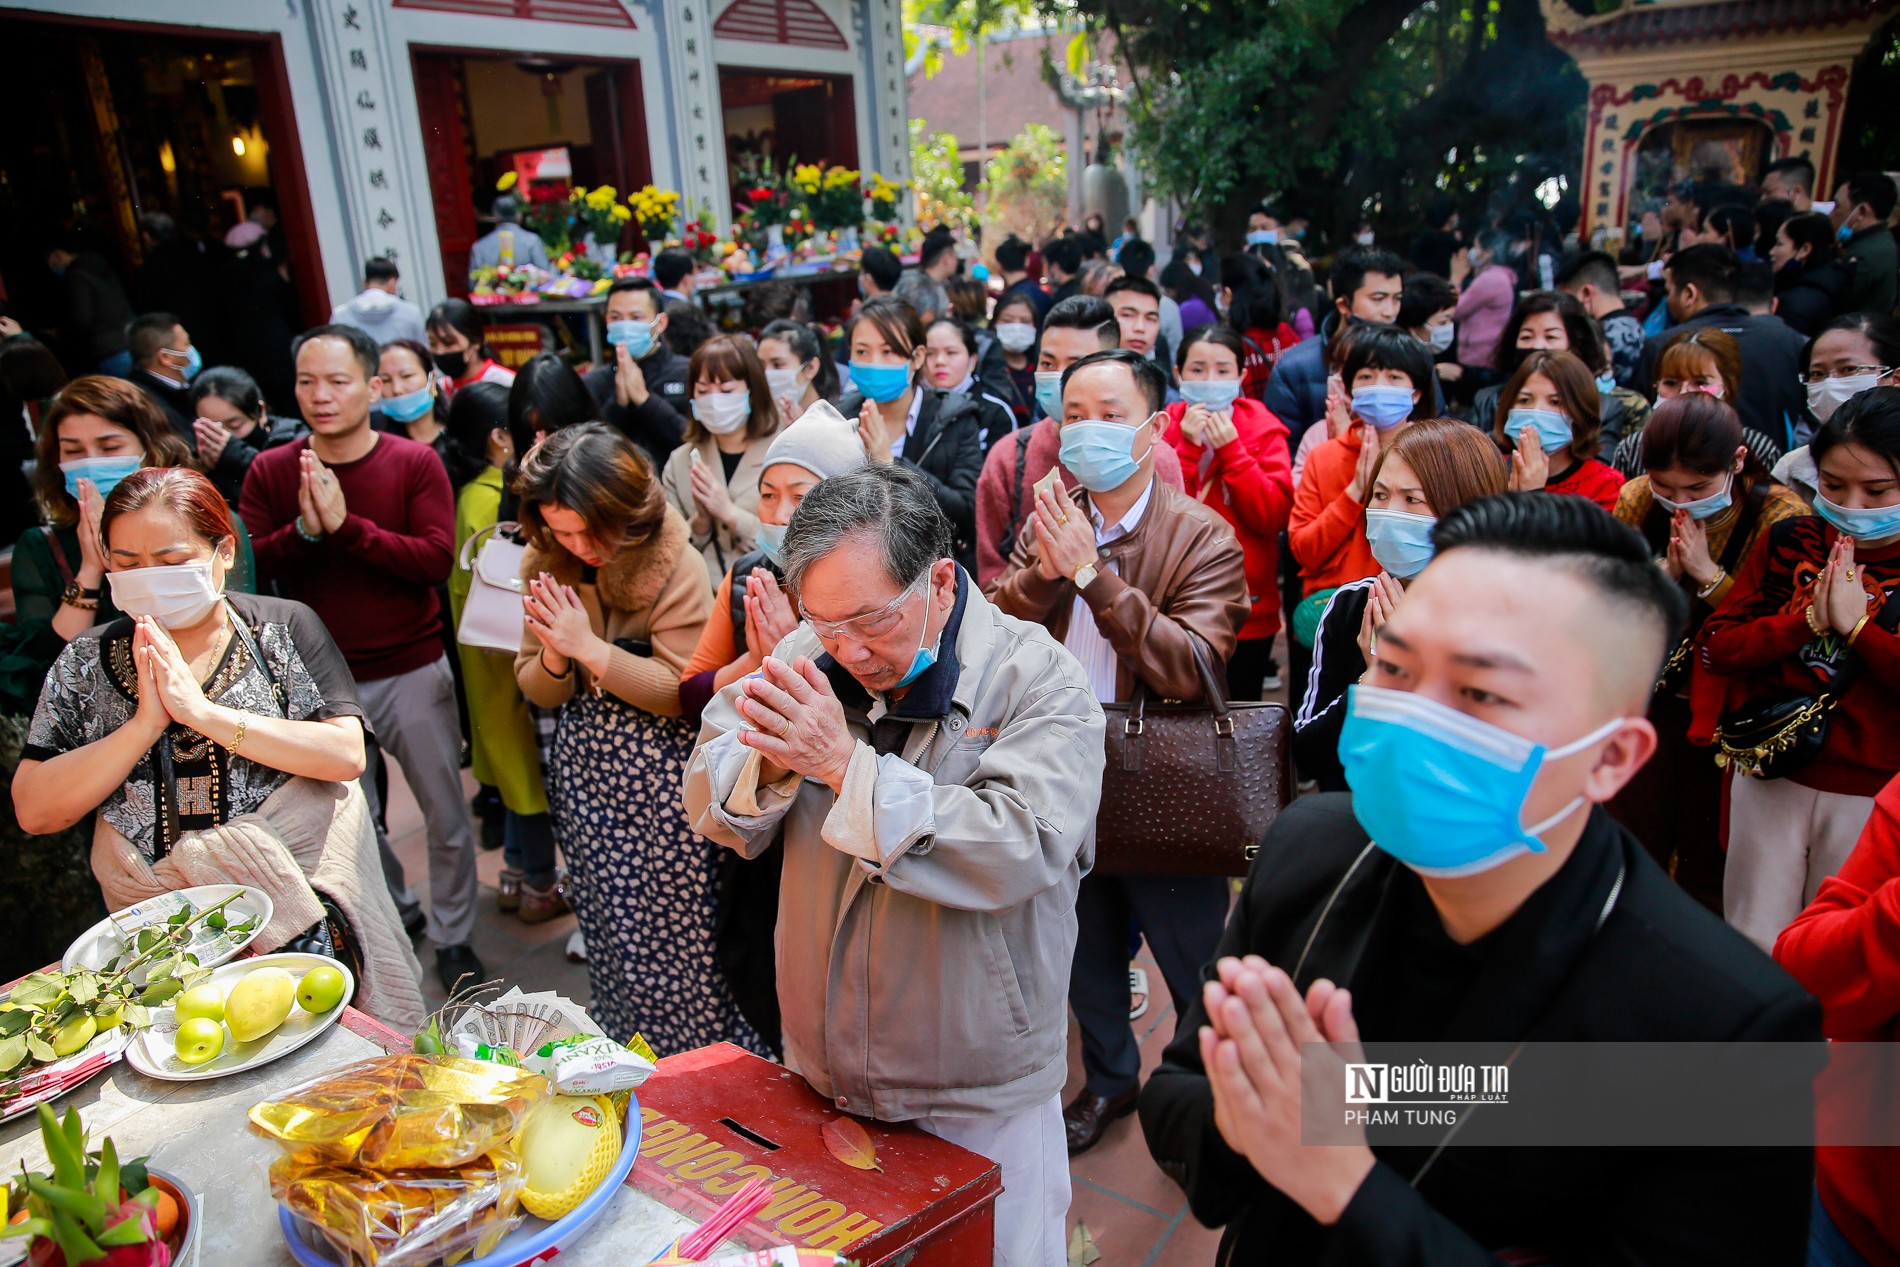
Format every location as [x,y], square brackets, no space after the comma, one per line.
[1190,789]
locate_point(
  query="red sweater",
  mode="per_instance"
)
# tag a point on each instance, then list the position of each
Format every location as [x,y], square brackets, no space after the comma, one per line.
[1592,480]
[373,580]
[1249,481]
[1761,638]
[1845,951]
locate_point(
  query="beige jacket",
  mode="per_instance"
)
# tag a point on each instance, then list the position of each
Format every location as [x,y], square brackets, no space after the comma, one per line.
[722,545]
[927,916]
[654,592]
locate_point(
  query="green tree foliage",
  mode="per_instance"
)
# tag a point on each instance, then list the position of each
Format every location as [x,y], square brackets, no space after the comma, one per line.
[1349,107]
[1028,182]
[937,175]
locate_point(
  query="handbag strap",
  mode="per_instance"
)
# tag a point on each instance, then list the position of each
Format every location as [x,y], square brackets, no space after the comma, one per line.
[1135,723]
[1008,542]
[472,547]
[59,556]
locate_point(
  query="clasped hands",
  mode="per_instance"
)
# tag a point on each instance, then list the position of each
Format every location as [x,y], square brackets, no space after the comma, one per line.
[555,615]
[168,690]
[321,507]
[801,724]
[1251,1048]
[1065,535]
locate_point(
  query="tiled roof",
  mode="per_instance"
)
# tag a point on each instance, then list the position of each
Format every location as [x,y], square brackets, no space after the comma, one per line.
[1684,23]
[1014,90]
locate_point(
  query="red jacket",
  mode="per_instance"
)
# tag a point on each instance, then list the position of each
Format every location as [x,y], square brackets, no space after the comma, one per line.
[1761,638]
[1591,480]
[1845,951]
[1249,481]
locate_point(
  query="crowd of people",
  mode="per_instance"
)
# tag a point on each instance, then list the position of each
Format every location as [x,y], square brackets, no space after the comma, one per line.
[780,658]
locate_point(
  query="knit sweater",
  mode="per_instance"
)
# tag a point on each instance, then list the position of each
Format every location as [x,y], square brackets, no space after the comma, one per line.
[1845,951]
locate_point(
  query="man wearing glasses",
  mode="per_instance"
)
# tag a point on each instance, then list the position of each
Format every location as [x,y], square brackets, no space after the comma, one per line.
[932,768]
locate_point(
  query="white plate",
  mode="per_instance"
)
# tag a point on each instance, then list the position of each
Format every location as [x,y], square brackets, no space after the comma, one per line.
[111,935]
[154,1053]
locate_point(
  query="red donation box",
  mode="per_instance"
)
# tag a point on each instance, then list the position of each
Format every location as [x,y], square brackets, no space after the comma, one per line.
[717,1118]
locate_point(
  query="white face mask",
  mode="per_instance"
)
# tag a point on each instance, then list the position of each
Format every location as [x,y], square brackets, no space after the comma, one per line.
[1442,336]
[723,413]
[785,383]
[1015,336]
[177,596]
[1830,394]
[1364,239]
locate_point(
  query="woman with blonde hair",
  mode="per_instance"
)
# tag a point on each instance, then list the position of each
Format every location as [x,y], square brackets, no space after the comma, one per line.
[1431,467]
[712,478]
[616,599]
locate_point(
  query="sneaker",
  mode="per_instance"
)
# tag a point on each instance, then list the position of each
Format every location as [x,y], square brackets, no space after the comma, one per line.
[538,906]
[1137,993]
[1272,682]
[508,889]
[576,947]
[459,968]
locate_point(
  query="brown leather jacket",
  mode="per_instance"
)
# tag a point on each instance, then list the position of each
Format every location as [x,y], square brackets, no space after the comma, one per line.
[1180,570]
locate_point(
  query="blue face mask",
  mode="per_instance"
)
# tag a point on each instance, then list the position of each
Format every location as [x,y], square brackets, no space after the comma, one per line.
[1873,523]
[1606,383]
[1049,393]
[1218,394]
[1844,233]
[1263,237]
[410,407]
[635,336]
[1552,428]
[1441,791]
[1101,454]
[1384,405]
[1703,509]
[194,361]
[926,656]
[882,383]
[771,539]
[1400,541]
[105,473]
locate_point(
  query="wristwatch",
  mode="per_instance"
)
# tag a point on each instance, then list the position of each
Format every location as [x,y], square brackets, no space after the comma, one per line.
[1085,576]
[75,595]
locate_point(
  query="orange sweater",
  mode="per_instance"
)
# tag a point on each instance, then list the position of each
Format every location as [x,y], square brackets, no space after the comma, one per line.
[1328,528]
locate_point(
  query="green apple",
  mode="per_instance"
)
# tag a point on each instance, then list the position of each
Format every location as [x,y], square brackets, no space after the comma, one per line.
[321,989]
[200,1002]
[199,1039]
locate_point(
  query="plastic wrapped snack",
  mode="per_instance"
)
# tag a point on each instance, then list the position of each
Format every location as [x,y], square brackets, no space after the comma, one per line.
[402,1112]
[404,1218]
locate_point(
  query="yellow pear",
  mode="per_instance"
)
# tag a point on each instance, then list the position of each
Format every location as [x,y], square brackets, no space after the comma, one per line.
[567,1147]
[259,1002]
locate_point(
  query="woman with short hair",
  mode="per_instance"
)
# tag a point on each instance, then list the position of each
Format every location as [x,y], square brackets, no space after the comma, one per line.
[219,738]
[616,599]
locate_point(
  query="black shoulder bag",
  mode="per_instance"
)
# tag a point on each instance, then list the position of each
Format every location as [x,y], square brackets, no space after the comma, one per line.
[1773,741]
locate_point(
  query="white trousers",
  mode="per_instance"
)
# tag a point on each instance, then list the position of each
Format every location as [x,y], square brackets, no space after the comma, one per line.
[1034,1208]
[1783,840]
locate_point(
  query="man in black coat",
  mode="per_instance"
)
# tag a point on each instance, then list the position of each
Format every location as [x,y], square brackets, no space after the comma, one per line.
[1700,289]
[643,392]
[1513,684]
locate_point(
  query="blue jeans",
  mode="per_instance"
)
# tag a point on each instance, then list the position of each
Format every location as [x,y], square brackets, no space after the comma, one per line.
[527,844]
[1826,1246]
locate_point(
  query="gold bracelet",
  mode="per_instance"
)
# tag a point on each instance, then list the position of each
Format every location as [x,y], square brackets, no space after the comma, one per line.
[237,740]
[1812,623]
[1858,626]
[1721,574]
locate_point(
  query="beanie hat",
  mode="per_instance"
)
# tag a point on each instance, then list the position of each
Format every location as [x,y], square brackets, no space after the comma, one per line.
[823,441]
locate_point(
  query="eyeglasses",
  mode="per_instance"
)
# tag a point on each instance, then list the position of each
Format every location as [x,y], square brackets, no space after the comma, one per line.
[868,626]
[1846,371]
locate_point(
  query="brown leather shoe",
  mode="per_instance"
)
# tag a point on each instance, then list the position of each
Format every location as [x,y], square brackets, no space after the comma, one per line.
[1088,1116]
[541,905]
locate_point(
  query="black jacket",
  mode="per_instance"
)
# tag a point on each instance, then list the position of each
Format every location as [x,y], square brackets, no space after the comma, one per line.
[1658,969]
[235,461]
[1811,297]
[945,448]
[172,400]
[97,313]
[1337,664]
[1771,398]
[658,425]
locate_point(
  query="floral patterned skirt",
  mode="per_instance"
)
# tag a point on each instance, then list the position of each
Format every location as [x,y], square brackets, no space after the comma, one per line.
[643,885]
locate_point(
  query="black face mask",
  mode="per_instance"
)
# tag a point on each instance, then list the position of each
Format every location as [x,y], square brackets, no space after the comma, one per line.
[454,364]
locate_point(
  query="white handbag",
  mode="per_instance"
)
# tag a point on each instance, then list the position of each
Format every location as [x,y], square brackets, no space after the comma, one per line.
[492,616]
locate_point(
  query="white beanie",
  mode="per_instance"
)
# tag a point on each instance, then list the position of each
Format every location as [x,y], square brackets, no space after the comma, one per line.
[823,441]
